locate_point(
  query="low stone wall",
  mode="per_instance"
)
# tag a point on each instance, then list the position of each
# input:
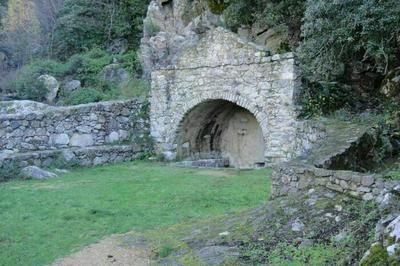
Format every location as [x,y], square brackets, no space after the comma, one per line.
[90,156]
[76,126]
[291,178]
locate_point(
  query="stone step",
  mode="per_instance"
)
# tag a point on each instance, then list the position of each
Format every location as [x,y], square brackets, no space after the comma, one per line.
[204,163]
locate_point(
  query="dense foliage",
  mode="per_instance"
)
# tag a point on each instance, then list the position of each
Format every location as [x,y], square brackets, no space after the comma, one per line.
[83,24]
[70,39]
[285,16]
[350,35]
[347,49]
[86,67]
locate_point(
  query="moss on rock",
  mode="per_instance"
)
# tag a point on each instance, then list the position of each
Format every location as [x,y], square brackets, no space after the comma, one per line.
[376,255]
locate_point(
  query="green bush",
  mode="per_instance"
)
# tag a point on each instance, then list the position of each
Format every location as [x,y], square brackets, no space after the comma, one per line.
[323,98]
[87,66]
[131,63]
[9,171]
[82,96]
[136,88]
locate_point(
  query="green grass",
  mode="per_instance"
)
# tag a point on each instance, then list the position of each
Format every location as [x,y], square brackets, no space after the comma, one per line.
[41,221]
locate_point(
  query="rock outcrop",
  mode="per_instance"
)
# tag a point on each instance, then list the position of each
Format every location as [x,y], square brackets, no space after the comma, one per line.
[167,32]
[114,74]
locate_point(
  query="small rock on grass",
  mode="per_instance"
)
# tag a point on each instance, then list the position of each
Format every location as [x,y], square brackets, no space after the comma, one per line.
[34,172]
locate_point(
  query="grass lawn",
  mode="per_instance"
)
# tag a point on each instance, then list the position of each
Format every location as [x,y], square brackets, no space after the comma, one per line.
[41,221]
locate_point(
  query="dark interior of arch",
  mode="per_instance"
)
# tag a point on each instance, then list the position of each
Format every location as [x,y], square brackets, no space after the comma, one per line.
[221,129]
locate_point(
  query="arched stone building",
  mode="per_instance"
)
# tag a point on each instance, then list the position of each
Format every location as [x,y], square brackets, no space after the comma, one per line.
[226,98]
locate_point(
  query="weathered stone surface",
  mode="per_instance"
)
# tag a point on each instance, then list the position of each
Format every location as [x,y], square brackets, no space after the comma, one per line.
[35,172]
[113,137]
[214,255]
[87,156]
[114,74]
[297,226]
[393,230]
[388,247]
[168,31]
[31,126]
[59,139]
[21,107]
[239,76]
[367,181]
[72,85]
[82,140]
[51,85]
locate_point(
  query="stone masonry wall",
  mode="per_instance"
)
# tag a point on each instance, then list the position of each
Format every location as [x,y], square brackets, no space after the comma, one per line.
[289,178]
[76,126]
[224,67]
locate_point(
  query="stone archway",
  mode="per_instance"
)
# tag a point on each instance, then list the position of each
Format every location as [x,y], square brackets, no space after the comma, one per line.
[221,129]
[220,66]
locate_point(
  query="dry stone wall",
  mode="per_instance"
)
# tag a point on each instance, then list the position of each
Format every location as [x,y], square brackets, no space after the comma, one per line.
[76,126]
[290,178]
[83,135]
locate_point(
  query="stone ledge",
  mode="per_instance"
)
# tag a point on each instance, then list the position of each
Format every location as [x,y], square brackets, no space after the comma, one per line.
[90,156]
[38,114]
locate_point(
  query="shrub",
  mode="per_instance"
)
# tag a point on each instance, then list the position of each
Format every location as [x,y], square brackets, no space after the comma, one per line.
[322,98]
[82,96]
[132,88]
[87,66]
[350,42]
[151,28]
[131,63]
[9,171]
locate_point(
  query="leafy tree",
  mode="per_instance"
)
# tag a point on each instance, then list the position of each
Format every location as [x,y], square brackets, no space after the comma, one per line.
[338,35]
[21,31]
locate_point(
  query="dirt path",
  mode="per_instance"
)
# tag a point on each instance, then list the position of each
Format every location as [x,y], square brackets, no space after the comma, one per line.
[107,252]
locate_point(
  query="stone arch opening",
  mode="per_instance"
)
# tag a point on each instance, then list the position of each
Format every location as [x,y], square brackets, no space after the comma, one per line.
[220,129]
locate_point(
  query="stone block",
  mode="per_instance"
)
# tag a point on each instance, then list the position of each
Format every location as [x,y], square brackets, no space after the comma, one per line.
[367,181]
[81,140]
[59,139]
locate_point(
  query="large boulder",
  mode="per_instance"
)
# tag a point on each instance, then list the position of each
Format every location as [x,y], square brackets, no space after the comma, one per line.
[72,85]
[34,172]
[52,87]
[114,74]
